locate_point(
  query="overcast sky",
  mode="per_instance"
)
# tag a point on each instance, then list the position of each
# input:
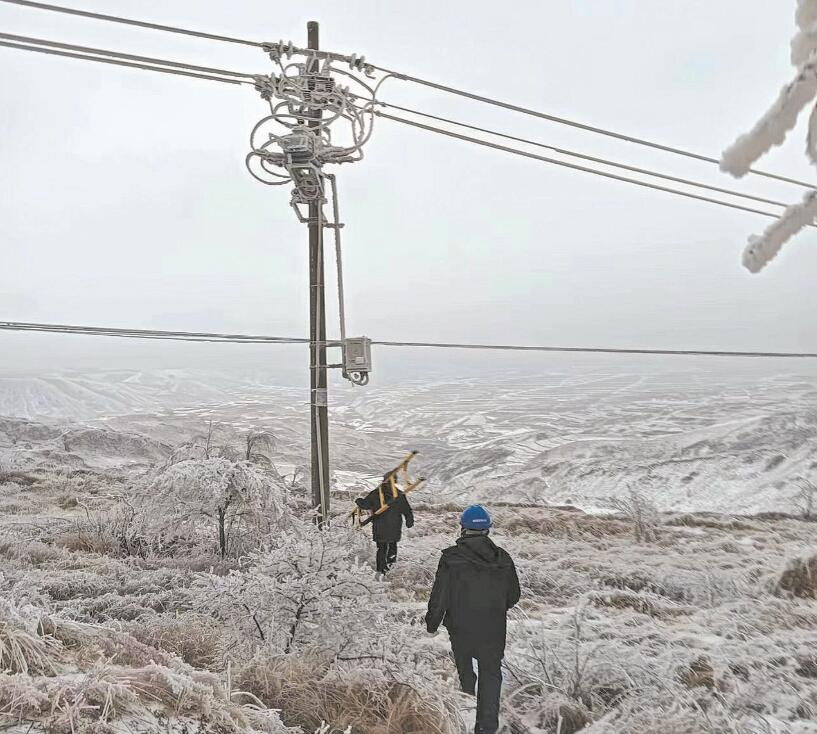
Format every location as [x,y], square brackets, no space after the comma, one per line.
[124,200]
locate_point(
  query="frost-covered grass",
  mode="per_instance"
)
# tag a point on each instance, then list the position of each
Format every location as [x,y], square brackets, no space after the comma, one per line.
[114,617]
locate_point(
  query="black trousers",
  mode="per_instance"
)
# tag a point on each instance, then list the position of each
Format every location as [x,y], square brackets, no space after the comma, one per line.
[486,682]
[386,556]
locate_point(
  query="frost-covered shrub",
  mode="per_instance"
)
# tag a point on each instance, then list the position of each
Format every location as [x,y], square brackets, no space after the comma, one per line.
[122,530]
[308,588]
[240,501]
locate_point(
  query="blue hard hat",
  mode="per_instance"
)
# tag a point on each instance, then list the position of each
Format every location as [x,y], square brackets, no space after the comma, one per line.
[475,517]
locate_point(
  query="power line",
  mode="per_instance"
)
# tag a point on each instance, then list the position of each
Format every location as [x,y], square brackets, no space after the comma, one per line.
[565,164]
[148,333]
[601,350]
[405,77]
[583,126]
[131,21]
[585,157]
[193,336]
[118,62]
[357,62]
[29,41]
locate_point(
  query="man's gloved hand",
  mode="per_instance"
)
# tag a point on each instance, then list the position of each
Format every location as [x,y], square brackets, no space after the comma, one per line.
[432,634]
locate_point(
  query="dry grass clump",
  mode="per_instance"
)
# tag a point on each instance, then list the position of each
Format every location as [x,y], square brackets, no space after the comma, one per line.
[29,554]
[86,701]
[76,585]
[799,579]
[699,673]
[24,648]
[194,638]
[807,665]
[67,677]
[665,717]
[310,690]
[20,478]
[712,522]
[120,531]
[562,524]
[550,712]
[411,579]
[126,607]
[89,643]
[652,606]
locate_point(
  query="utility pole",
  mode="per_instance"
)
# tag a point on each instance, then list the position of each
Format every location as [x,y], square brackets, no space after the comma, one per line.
[319,414]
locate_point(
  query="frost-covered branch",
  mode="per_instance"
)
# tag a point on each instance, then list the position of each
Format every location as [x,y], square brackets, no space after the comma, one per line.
[763,248]
[772,129]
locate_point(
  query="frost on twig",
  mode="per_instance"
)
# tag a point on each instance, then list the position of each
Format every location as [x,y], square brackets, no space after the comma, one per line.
[763,248]
[772,129]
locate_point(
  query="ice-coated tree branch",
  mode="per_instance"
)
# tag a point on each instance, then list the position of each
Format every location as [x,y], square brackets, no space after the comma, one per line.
[772,129]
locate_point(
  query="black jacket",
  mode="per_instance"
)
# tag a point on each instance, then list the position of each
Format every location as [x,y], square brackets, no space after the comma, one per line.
[388,526]
[475,586]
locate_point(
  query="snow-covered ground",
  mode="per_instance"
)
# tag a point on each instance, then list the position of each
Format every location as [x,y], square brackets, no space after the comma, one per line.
[120,613]
[694,440]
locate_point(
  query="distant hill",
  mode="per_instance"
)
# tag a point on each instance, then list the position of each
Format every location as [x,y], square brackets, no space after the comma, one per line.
[691,440]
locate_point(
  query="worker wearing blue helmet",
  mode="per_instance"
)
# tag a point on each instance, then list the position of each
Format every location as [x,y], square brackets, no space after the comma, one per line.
[475,586]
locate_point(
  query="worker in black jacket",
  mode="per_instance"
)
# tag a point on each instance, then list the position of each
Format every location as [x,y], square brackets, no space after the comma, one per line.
[391,507]
[475,586]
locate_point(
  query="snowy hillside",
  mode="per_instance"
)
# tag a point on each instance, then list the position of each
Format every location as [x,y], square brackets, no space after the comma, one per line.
[125,606]
[81,396]
[693,440]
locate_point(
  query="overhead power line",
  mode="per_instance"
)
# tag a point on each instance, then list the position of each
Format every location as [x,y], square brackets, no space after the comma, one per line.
[130,21]
[409,78]
[194,336]
[600,350]
[583,126]
[119,62]
[585,157]
[574,166]
[190,336]
[29,41]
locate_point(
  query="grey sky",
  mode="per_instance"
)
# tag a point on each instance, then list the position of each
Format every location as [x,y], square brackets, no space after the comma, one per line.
[124,200]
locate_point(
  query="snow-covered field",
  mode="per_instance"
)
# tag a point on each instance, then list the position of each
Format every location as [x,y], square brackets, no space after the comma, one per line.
[122,608]
[693,439]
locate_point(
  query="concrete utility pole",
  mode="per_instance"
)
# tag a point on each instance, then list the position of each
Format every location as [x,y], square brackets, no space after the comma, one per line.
[319,414]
